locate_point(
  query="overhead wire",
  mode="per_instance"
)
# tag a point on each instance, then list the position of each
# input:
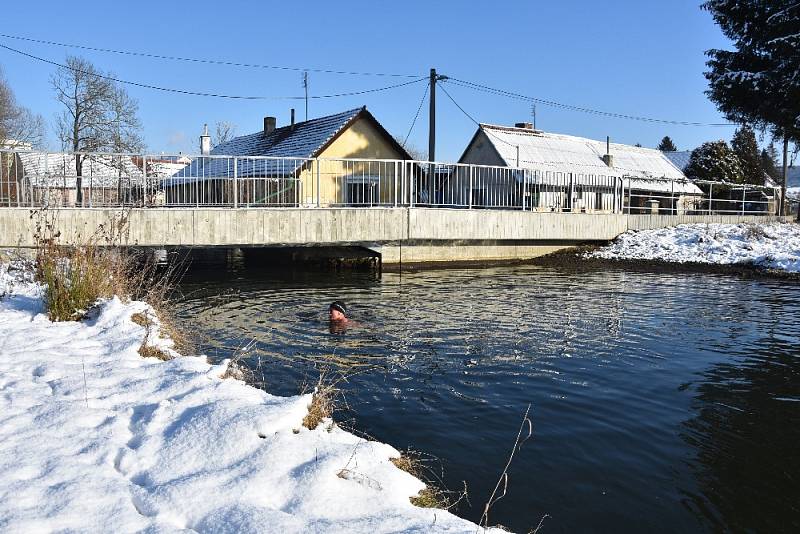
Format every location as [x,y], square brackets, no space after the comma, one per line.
[214,95]
[552,103]
[203,60]
[416,115]
[488,131]
[470,117]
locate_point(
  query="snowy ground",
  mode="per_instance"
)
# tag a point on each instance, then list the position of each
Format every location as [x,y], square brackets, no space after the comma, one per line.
[95,438]
[769,246]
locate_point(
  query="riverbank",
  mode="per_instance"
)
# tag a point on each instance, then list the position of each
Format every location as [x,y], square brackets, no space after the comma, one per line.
[771,249]
[96,437]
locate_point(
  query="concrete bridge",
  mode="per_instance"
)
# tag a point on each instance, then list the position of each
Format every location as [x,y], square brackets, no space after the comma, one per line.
[396,235]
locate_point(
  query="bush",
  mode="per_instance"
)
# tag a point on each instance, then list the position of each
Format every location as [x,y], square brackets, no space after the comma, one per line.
[76,276]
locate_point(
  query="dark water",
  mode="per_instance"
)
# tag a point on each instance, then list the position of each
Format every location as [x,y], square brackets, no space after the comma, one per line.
[660,402]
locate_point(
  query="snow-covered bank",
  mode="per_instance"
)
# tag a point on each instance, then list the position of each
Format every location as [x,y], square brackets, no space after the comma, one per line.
[95,438]
[768,246]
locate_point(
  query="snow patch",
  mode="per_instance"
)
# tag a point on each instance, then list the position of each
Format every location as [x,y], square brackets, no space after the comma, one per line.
[93,437]
[769,246]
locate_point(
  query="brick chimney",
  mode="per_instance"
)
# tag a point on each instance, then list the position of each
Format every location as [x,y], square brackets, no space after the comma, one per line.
[269,124]
[525,125]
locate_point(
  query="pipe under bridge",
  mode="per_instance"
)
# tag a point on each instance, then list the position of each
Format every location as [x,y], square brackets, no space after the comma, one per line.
[397,235]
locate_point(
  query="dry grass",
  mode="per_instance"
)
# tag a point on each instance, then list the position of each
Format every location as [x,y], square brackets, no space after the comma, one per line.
[755,232]
[148,351]
[141,319]
[323,403]
[432,496]
[103,266]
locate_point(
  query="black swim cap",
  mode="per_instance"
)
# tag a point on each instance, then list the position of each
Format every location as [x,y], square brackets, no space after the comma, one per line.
[339,305]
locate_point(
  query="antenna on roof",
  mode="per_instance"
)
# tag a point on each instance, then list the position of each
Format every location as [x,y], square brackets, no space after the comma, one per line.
[305,86]
[533,113]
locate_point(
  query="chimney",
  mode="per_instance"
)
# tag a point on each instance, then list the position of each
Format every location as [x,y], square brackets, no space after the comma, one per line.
[608,159]
[292,118]
[269,124]
[525,125]
[205,142]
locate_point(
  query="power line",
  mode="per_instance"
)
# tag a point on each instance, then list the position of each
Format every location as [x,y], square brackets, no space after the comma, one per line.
[471,118]
[214,95]
[206,61]
[489,131]
[552,103]
[416,115]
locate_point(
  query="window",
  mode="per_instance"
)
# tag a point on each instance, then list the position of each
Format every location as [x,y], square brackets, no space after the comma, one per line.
[362,190]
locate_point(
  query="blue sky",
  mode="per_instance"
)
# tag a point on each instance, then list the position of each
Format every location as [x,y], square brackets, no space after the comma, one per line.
[632,57]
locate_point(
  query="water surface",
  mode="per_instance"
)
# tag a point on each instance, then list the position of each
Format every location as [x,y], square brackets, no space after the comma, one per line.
[660,402]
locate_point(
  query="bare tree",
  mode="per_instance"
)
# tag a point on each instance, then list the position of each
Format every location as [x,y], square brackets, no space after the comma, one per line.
[225,131]
[125,127]
[412,149]
[17,123]
[98,114]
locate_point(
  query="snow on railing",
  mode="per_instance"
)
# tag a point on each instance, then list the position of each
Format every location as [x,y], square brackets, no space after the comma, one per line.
[36,178]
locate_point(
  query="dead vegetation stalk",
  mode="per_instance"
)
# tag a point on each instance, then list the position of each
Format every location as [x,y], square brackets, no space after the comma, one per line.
[503,480]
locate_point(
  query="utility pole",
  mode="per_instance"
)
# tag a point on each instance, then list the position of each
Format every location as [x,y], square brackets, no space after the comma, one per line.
[432,119]
[533,112]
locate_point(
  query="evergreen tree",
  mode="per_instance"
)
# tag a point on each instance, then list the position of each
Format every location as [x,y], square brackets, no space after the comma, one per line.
[745,147]
[758,83]
[666,145]
[769,162]
[714,161]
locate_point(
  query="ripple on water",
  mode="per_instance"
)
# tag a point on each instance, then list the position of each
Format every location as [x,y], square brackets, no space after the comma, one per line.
[660,401]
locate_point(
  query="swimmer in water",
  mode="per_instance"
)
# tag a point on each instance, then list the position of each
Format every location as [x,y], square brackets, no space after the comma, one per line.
[337,312]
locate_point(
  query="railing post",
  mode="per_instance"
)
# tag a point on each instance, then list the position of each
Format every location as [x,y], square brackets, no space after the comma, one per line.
[744,190]
[674,208]
[471,178]
[630,195]
[316,160]
[412,189]
[571,193]
[394,189]
[235,182]
[710,197]
[144,180]
[524,188]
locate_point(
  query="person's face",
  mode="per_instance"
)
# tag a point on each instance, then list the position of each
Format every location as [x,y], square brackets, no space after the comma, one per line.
[336,315]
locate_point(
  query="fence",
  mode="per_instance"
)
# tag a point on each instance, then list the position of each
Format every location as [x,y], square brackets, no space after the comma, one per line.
[35,179]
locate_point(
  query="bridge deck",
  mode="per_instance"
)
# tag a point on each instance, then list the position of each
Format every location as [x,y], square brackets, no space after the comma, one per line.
[369,227]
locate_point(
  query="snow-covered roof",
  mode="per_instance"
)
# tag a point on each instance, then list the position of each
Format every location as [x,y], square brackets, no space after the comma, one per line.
[544,151]
[303,140]
[43,169]
[679,158]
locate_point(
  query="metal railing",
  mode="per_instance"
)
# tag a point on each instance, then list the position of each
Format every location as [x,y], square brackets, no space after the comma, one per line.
[35,179]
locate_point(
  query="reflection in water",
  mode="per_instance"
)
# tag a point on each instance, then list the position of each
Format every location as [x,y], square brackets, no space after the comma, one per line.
[660,401]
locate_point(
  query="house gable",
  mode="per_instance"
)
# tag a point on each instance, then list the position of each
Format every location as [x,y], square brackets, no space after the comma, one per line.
[480,151]
[363,138]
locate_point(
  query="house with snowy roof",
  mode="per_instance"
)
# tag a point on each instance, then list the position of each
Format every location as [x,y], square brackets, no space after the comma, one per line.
[279,166]
[53,178]
[571,173]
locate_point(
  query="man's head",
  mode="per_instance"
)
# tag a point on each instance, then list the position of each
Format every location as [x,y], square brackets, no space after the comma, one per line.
[337,311]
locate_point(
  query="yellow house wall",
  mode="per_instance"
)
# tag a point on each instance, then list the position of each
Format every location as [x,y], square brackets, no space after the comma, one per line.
[360,140]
